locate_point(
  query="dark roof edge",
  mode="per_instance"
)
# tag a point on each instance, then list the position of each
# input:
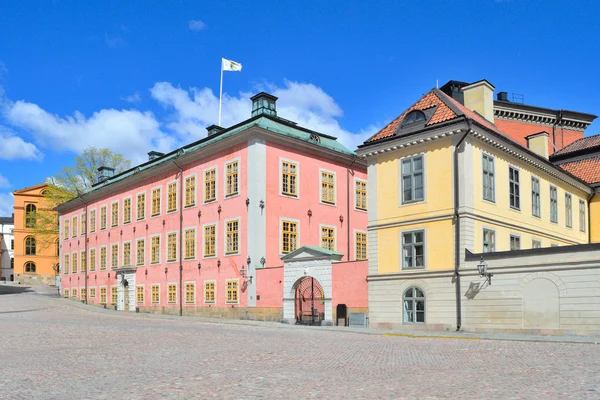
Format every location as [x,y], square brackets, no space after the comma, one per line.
[527,107]
[499,255]
[565,157]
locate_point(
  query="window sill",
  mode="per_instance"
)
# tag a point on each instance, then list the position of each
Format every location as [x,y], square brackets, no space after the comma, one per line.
[209,257]
[155,215]
[231,196]
[290,196]
[413,268]
[189,206]
[232,254]
[515,209]
[325,203]
[171,211]
[210,201]
[410,203]
[492,202]
[364,210]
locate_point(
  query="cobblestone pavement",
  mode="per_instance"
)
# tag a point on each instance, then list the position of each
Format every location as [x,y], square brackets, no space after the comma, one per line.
[53,348]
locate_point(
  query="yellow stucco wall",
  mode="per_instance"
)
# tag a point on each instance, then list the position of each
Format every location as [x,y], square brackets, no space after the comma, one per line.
[595,219]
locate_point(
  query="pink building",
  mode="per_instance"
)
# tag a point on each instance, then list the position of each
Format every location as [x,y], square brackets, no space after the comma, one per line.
[187,231]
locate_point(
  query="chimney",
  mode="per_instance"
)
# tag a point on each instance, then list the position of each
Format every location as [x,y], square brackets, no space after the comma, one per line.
[153,155]
[479,97]
[538,143]
[264,103]
[214,129]
[503,96]
[453,89]
[104,173]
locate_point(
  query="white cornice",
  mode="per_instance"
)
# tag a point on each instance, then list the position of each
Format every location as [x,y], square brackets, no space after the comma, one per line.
[539,118]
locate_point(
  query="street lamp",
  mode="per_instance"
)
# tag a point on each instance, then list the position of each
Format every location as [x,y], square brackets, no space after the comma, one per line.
[482,269]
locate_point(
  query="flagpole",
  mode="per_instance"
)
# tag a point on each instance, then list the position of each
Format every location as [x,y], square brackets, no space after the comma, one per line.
[221,91]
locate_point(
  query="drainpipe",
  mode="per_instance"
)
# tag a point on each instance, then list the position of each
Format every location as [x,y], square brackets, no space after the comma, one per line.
[348,203]
[85,247]
[457,228]
[589,217]
[180,238]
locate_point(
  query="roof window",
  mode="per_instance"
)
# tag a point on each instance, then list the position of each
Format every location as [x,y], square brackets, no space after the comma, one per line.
[413,116]
[315,138]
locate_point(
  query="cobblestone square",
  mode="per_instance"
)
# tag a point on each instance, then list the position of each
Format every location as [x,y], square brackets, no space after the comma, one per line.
[53,348]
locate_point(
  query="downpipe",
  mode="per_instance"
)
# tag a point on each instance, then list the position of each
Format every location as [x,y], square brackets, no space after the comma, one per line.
[180,238]
[348,204]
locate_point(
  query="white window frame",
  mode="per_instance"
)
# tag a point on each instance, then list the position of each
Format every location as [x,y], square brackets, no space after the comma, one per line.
[132,255]
[239,291]
[136,250]
[81,218]
[99,216]
[204,291]
[159,296]
[539,197]
[569,213]
[89,219]
[161,202]
[107,294]
[401,242]
[184,294]
[111,214]
[204,171]
[176,293]
[533,241]
[216,224]
[99,255]
[298,178]
[143,286]
[167,196]
[196,236]
[159,252]
[225,196]
[367,249]
[519,184]
[483,230]
[167,247]
[239,220]
[280,234]
[89,259]
[554,221]
[335,187]
[510,236]
[582,217]
[110,255]
[493,180]
[401,201]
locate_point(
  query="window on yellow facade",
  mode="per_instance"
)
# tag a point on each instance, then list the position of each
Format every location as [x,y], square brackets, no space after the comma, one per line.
[172,293]
[92,260]
[102,217]
[489,241]
[190,191]
[489,177]
[139,294]
[74,263]
[209,292]
[327,187]
[83,261]
[127,253]
[413,249]
[413,188]
[553,204]
[30,246]
[361,246]
[172,197]
[361,195]
[231,178]
[74,292]
[155,202]
[289,178]
[113,295]
[141,206]
[328,238]
[140,248]
[102,258]
[66,224]
[210,238]
[172,246]
[582,215]
[74,226]
[155,291]
[413,305]
[289,236]
[83,224]
[515,242]
[92,293]
[568,210]
[102,295]
[535,197]
[155,250]
[92,221]
[190,244]
[232,291]
[232,229]
[536,244]
[114,256]
[114,215]
[514,188]
[66,266]
[82,290]
[190,293]
[30,216]
[210,185]
[127,211]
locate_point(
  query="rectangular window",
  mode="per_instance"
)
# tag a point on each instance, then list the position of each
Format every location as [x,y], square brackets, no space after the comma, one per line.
[155,294]
[489,178]
[83,224]
[413,249]
[114,252]
[66,292]
[102,258]
[535,197]
[172,246]
[92,221]
[139,294]
[172,197]
[515,242]
[155,202]
[190,293]
[92,293]
[289,236]
[82,290]
[66,223]
[113,295]
[155,249]
[190,244]
[361,195]
[12,244]
[489,241]
[232,237]
[127,253]
[114,214]
[83,261]
[66,266]
[140,249]
[536,244]
[190,191]
[102,295]
[361,246]
[74,292]
[231,179]
[412,179]
[172,293]
[74,226]
[232,291]
[514,189]
[210,185]
[327,187]
[553,204]
[103,217]
[127,211]
[209,292]
[74,263]
[328,238]
[568,210]
[210,237]
[582,215]
[289,178]
[92,260]
[141,206]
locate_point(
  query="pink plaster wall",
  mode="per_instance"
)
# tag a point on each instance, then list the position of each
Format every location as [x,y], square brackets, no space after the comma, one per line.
[349,285]
[269,286]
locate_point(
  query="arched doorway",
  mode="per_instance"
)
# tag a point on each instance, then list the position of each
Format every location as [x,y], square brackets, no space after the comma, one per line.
[309,301]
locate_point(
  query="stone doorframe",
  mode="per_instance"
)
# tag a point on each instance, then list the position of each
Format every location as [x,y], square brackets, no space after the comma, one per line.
[125,274]
[306,261]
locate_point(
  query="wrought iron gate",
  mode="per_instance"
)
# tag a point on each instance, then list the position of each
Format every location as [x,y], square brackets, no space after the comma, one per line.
[310,302]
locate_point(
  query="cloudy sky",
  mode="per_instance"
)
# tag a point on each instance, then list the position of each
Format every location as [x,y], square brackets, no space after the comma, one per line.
[136,77]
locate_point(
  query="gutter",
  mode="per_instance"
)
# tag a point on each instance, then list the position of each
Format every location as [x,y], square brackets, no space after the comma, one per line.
[180,238]
[348,204]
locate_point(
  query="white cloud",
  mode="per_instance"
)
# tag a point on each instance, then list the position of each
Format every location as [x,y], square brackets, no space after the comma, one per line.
[4,183]
[14,148]
[197,25]
[134,98]
[7,201]
[114,42]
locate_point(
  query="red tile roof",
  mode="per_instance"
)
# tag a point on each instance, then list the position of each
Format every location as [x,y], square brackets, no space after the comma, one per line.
[587,169]
[583,143]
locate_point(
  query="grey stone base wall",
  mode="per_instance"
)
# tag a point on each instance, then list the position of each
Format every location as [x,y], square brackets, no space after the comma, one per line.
[256,314]
[36,279]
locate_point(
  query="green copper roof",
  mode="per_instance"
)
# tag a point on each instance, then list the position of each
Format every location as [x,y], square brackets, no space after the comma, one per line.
[322,250]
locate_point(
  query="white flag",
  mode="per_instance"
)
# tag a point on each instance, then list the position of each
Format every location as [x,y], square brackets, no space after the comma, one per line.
[229,65]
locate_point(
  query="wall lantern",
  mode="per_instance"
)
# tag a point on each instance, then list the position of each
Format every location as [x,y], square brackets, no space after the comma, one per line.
[248,261]
[146,272]
[218,263]
[199,214]
[219,210]
[261,204]
[146,226]
[109,275]
[341,219]
[309,213]
[109,234]
[134,229]
[199,266]
[263,261]
[166,270]
[121,232]
[247,202]
[483,272]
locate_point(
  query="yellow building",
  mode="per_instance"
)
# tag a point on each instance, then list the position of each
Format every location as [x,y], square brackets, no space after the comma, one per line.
[444,182]
[36,259]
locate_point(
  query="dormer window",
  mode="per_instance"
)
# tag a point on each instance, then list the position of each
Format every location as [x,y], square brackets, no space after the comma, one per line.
[413,116]
[264,103]
[315,138]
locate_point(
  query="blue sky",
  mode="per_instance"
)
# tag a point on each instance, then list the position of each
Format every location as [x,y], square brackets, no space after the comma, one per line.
[139,76]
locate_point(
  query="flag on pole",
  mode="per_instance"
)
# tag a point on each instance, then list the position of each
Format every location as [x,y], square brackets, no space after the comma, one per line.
[229,65]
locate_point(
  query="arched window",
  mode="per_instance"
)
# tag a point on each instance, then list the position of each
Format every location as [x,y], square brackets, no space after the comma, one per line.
[30,211]
[29,266]
[30,246]
[413,116]
[413,304]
